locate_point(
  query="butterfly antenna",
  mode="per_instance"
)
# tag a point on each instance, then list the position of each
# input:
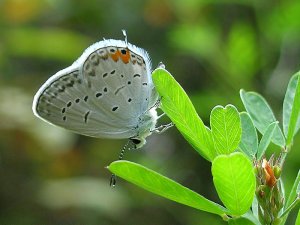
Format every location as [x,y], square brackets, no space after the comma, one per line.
[125,37]
[121,155]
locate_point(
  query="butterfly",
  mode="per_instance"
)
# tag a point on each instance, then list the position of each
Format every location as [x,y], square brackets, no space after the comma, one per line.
[107,92]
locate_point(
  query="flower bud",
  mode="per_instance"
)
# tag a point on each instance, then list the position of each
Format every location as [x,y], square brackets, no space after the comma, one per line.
[269,174]
[277,171]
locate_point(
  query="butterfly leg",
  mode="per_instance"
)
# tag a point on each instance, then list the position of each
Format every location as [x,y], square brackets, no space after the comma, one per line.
[161,116]
[163,128]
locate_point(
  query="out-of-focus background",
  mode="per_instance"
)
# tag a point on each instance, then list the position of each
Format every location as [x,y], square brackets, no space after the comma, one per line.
[213,48]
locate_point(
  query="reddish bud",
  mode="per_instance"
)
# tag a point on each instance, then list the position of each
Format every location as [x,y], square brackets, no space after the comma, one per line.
[269,174]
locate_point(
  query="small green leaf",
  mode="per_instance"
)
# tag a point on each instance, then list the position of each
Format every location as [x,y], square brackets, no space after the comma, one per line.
[179,108]
[226,128]
[163,186]
[266,140]
[249,140]
[291,108]
[234,180]
[261,115]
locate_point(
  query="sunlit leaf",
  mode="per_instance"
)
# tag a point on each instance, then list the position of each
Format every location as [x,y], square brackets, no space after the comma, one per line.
[210,143]
[226,128]
[249,140]
[234,180]
[261,115]
[177,105]
[291,108]
[163,186]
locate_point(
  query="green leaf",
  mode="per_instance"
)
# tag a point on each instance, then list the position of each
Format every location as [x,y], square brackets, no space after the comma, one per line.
[294,191]
[249,140]
[261,115]
[163,186]
[291,108]
[234,180]
[210,143]
[226,128]
[292,196]
[266,140]
[298,218]
[179,108]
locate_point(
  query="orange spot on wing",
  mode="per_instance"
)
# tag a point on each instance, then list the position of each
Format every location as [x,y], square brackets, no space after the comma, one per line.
[125,57]
[115,56]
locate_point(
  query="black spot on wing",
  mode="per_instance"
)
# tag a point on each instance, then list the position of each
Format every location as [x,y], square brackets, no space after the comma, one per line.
[114,108]
[86,116]
[98,94]
[119,89]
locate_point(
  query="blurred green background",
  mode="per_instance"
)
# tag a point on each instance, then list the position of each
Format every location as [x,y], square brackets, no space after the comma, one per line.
[213,48]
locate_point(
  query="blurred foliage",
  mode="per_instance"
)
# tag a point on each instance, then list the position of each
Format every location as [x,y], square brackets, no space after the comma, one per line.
[212,47]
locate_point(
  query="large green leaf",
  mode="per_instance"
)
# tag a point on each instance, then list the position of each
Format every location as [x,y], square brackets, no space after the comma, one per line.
[226,128]
[177,105]
[163,186]
[261,115]
[249,140]
[266,140]
[234,180]
[291,108]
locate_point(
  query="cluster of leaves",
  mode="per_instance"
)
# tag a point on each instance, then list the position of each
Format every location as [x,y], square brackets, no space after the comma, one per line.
[241,176]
